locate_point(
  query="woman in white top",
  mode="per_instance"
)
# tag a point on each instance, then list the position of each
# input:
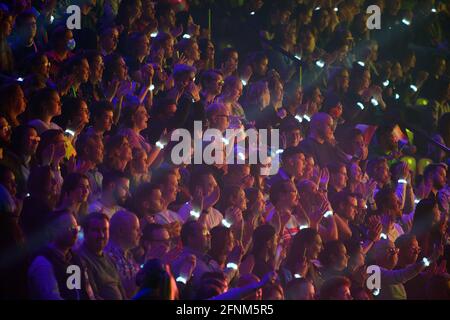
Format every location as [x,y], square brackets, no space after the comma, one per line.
[45,105]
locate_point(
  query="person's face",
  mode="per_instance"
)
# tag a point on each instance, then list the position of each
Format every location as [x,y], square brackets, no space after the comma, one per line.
[97,234]
[358,259]
[106,121]
[439,178]
[97,68]
[350,208]
[143,46]
[29,28]
[299,164]
[54,105]
[229,242]
[194,52]
[60,146]
[209,184]
[389,256]
[339,179]
[141,118]
[10,183]
[241,200]
[325,128]
[67,231]
[284,16]
[309,42]
[110,40]
[122,70]
[44,67]
[121,191]
[5,130]
[82,117]
[81,192]
[341,258]
[170,189]
[221,120]
[410,252]
[343,293]
[317,97]
[201,240]
[314,248]
[155,201]
[171,19]
[210,50]
[260,204]
[382,173]
[395,206]
[232,62]
[365,81]
[358,145]
[96,149]
[21,102]
[125,151]
[336,111]
[307,292]
[132,234]
[261,67]
[31,142]
[293,138]
[309,168]
[235,91]
[215,85]
[140,162]
[160,241]
[168,48]
[170,111]
[7,26]
[246,179]
[356,173]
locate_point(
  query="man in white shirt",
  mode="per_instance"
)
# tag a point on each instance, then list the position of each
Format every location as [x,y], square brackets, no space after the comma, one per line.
[206,193]
[389,207]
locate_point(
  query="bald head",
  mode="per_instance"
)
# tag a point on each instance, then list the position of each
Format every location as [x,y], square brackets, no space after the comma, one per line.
[322,126]
[125,229]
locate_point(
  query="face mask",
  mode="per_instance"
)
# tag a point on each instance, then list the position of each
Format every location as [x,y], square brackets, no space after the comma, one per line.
[71,44]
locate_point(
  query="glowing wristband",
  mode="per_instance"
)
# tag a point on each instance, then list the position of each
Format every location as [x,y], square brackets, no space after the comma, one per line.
[160,145]
[182,279]
[297,276]
[383,236]
[426,262]
[402,181]
[327,214]
[195,214]
[232,265]
[304,226]
[225,223]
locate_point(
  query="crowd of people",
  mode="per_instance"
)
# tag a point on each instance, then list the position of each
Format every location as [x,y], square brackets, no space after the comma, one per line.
[88,182]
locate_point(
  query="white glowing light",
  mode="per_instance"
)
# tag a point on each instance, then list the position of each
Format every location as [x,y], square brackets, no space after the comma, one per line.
[297,276]
[317,9]
[298,57]
[70,132]
[413,88]
[320,63]
[226,141]
[383,236]
[386,83]
[279,151]
[361,63]
[406,22]
[327,214]
[20,79]
[307,118]
[52,18]
[244,83]
[241,156]
[160,145]
[336,9]
[151,87]
[426,262]
[252,13]
[182,279]
[402,181]
[359,104]
[374,101]
[186,36]
[195,214]
[299,118]
[416,201]
[397,96]
[154,34]
[433,10]
[225,223]
[376,292]
[304,226]
[232,265]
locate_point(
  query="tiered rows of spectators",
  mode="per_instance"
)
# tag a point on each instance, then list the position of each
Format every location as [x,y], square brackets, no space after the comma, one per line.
[87,177]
